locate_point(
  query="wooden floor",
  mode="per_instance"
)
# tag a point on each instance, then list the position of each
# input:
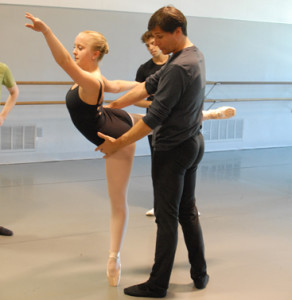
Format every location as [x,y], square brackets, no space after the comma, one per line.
[59,213]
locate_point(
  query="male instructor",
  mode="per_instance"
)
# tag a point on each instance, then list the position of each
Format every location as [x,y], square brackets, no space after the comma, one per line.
[175,118]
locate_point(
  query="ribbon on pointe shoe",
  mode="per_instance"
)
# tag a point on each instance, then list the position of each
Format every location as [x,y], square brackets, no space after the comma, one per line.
[114,274]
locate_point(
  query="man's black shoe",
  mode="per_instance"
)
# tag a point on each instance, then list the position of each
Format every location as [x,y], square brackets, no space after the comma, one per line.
[5,231]
[144,290]
[201,281]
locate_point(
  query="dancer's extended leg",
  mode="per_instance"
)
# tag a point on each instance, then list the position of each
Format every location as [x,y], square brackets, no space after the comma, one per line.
[118,169]
[222,112]
[136,117]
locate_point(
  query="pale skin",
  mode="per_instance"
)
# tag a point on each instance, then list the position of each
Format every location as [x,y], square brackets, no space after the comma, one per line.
[85,72]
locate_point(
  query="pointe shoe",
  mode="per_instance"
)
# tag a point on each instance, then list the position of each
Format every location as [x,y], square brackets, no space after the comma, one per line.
[150,213]
[225,112]
[113,269]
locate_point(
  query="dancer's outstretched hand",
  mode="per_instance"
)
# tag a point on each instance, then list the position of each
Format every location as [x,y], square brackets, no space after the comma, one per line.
[37,24]
[108,147]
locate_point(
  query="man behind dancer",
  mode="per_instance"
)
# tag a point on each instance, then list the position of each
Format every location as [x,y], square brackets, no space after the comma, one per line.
[175,117]
[153,65]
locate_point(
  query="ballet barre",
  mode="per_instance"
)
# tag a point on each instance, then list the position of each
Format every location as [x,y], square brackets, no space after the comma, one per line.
[207,100]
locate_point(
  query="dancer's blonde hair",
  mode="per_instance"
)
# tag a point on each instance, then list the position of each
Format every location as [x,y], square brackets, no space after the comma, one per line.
[97,42]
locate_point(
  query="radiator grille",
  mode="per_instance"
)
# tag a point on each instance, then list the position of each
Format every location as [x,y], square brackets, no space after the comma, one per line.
[18,138]
[222,130]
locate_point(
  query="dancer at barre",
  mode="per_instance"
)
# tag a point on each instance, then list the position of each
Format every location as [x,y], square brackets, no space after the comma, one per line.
[84,102]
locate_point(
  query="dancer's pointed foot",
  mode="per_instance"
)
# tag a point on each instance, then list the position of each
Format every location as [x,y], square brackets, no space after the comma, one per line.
[114,269]
[150,213]
[225,112]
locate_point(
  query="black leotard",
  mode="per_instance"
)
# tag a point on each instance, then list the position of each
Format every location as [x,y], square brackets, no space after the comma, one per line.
[89,119]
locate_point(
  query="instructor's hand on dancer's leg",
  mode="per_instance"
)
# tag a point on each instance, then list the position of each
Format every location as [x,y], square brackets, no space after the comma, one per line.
[108,147]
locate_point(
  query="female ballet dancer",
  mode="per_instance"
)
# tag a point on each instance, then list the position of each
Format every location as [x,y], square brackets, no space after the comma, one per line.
[84,102]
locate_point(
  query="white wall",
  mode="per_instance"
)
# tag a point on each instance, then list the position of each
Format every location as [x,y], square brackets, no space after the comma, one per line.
[278,11]
[235,50]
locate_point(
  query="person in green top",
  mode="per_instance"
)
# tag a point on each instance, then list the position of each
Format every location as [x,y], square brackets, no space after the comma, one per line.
[7,79]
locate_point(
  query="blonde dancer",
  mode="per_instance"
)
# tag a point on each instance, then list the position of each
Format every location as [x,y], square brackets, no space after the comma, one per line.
[84,102]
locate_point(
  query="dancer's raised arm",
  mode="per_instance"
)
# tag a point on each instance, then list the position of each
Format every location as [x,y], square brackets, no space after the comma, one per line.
[85,79]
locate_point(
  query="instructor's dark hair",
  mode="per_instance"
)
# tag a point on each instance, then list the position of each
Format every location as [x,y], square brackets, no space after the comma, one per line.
[168,18]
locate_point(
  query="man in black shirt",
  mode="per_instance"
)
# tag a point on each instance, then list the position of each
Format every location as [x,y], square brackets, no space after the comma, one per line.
[175,117]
